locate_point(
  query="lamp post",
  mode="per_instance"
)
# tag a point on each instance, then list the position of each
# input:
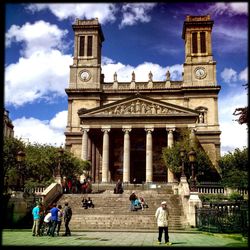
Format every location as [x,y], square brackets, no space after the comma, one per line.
[192,158]
[20,158]
[182,154]
[57,174]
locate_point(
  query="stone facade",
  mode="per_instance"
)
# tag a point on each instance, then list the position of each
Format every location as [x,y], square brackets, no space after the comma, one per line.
[121,127]
[8,127]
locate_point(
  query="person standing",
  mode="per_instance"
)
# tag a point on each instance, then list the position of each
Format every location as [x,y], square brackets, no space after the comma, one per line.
[59,219]
[161,216]
[36,219]
[54,219]
[67,217]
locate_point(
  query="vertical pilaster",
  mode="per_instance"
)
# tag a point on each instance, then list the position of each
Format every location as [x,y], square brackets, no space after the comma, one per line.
[216,116]
[149,154]
[69,123]
[126,155]
[105,154]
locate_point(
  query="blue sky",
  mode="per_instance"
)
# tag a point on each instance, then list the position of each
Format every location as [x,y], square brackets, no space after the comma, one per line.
[139,37]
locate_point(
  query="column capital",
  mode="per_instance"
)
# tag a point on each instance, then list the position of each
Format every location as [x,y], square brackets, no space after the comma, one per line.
[84,128]
[126,129]
[106,128]
[149,128]
[170,129]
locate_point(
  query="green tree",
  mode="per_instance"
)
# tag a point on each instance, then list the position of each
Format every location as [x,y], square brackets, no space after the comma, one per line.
[11,146]
[40,163]
[234,169]
[204,169]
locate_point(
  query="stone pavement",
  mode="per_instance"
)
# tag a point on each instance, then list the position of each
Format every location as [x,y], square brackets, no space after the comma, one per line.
[120,239]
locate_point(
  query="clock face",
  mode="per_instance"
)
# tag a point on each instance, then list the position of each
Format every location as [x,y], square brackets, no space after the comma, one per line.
[200,73]
[85,75]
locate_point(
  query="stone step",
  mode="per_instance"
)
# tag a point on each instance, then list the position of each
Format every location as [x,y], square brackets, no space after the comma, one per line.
[112,211]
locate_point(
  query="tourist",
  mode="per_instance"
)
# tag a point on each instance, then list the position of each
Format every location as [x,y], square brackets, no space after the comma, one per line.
[59,219]
[143,202]
[36,219]
[54,219]
[84,203]
[118,187]
[90,203]
[161,216]
[67,217]
[47,222]
[132,199]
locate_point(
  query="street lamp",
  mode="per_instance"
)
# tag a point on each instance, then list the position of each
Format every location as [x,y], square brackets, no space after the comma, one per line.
[182,154]
[20,158]
[192,158]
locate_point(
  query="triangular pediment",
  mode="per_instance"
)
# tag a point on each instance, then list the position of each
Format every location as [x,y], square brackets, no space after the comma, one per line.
[138,106]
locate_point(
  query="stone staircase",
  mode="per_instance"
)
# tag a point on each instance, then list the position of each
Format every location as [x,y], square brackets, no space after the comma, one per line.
[112,211]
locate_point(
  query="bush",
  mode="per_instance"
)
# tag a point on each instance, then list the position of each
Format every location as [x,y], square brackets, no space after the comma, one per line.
[235,197]
[212,197]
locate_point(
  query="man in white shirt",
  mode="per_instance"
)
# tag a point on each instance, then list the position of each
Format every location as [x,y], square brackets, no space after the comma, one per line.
[161,216]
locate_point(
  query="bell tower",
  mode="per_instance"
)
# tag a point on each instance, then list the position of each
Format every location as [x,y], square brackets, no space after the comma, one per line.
[86,69]
[199,66]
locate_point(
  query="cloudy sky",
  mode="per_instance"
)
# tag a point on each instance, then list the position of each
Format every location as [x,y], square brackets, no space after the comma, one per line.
[39,49]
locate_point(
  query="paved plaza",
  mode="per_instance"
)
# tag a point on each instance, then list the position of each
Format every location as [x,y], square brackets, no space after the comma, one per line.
[121,239]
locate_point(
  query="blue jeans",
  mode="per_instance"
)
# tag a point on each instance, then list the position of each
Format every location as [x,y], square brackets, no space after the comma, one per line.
[53,227]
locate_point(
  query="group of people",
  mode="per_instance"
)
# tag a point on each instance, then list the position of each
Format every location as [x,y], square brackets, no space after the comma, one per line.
[77,186]
[49,221]
[137,202]
[86,203]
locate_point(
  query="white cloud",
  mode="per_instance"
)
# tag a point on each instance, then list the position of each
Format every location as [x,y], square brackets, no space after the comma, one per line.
[229,75]
[232,78]
[105,12]
[243,75]
[136,12]
[43,70]
[233,134]
[37,37]
[59,121]
[36,77]
[42,132]
[229,8]
[124,72]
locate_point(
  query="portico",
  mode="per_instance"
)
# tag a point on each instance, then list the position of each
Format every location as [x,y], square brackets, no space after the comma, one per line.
[131,146]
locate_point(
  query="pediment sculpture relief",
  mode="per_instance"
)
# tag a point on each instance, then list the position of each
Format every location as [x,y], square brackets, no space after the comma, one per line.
[141,108]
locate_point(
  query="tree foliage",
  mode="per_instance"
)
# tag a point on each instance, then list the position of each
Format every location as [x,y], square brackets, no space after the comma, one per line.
[11,147]
[234,169]
[203,167]
[39,164]
[242,112]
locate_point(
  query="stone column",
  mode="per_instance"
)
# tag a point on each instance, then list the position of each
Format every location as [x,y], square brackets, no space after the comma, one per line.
[170,145]
[84,153]
[149,155]
[126,155]
[105,154]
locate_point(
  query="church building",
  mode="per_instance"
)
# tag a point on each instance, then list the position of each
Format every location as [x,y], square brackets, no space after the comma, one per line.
[121,127]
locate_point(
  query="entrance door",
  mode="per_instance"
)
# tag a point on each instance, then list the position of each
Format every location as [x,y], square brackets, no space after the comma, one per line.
[138,166]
